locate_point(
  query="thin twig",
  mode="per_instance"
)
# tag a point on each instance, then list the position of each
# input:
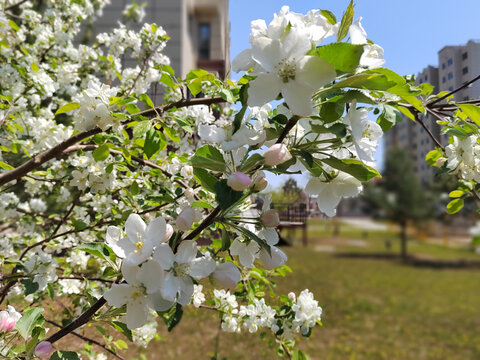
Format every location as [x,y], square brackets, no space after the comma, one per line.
[291,123]
[453,91]
[14,5]
[427,129]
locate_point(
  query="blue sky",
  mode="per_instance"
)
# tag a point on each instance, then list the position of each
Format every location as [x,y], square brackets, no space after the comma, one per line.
[410,31]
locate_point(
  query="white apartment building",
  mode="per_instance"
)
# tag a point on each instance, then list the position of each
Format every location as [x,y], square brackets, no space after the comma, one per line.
[457,65]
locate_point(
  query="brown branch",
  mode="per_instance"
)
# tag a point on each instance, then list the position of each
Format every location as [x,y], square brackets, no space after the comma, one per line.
[426,128]
[56,151]
[14,5]
[453,91]
[206,223]
[136,158]
[52,236]
[85,278]
[291,123]
[84,338]
[81,320]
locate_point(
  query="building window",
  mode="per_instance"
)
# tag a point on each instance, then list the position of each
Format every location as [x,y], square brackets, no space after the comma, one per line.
[443,79]
[450,75]
[465,70]
[466,98]
[450,88]
[426,77]
[464,56]
[443,66]
[204,32]
[421,81]
[450,61]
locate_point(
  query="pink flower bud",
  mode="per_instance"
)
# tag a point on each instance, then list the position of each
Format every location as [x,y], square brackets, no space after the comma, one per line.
[277,154]
[239,181]
[227,275]
[168,233]
[260,183]
[185,219]
[270,218]
[291,296]
[8,319]
[43,349]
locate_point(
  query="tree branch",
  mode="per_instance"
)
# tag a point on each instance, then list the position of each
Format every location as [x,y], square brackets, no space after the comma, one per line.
[453,91]
[427,129]
[56,151]
[84,338]
[14,5]
[291,123]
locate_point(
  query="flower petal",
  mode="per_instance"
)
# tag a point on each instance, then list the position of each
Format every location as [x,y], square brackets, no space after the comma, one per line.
[270,235]
[170,287]
[187,250]
[163,254]
[151,275]
[119,294]
[156,230]
[186,291]
[202,267]
[315,71]
[135,227]
[112,238]
[243,61]
[263,89]
[129,272]
[277,258]
[158,303]
[298,97]
[137,313]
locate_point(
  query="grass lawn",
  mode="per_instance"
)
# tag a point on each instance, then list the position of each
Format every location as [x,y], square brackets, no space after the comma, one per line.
[373,309]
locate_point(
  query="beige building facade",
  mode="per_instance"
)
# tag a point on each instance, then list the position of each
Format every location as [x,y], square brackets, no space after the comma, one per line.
[199,31]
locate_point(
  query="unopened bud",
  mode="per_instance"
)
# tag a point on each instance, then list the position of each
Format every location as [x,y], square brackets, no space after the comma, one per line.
[291,296]
[277,154]
[260,183]
[168,233]
[185,219]
[43,349]
[239,181]
[8,319]
[271,218]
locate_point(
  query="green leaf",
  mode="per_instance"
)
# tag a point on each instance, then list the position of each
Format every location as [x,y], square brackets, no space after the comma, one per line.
[153,143]
[35,67]
[344,57]
[134,188]
[251,163]
[389,117]
[146,99]
[122,327]
[347,20]
[171,133]
[454,206]
[472,111]
[68,107]
[64,355]
[356,168]
[13,25]
[101,153]
[299,355]
[28,321]
[6,166]
[432,157]
[209,157]
[456,193]
[132,109]
[331,111]
[141,128]
[226,241]
[98,249]
[228,96]
[331,18]
[205,179]
[173,316]
[30,286]
[225,195]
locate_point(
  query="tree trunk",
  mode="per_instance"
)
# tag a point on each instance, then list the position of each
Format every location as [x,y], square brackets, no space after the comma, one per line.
[403,238]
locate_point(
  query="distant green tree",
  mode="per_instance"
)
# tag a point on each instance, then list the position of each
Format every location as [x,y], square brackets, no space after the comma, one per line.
[399,196]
